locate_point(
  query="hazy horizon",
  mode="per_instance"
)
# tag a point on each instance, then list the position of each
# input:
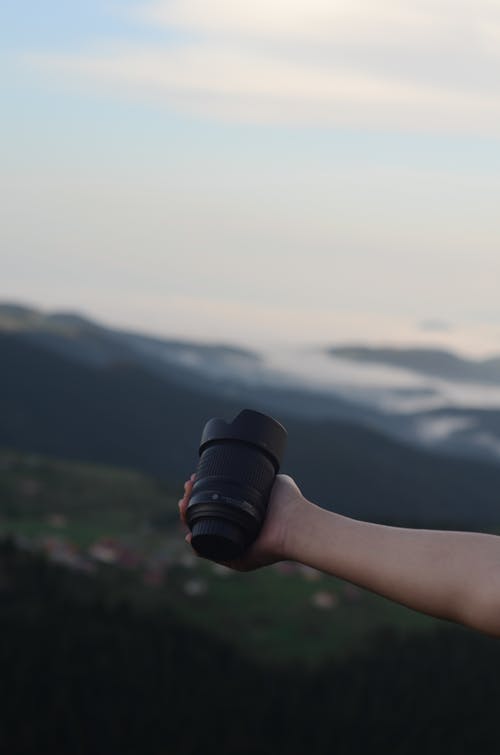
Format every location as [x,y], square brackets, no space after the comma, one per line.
[428,334]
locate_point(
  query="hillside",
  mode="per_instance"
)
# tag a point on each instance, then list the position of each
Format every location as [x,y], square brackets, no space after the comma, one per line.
[434,362]
[85,669]
[439,401]
[124,415]
[123,527]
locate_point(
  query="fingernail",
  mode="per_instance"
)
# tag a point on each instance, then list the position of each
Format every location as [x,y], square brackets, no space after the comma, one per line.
[193,476]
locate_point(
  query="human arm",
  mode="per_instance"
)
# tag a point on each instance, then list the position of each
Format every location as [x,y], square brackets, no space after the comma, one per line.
[450,575]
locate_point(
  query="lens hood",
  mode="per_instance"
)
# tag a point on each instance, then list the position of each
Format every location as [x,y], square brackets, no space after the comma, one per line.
[250,427]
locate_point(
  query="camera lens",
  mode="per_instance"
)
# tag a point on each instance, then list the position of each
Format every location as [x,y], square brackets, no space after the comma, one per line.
[235,474]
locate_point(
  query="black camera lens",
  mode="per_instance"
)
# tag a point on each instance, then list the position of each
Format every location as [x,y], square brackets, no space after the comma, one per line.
[235,474]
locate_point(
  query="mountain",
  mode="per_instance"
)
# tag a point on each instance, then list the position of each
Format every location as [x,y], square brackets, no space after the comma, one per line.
[125,415]
[83,340]
[213,369]
[445,416]
[433,362]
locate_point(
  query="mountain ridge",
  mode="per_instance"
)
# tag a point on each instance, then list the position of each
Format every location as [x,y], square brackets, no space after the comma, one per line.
[123,415]
[425,360]
[411,411]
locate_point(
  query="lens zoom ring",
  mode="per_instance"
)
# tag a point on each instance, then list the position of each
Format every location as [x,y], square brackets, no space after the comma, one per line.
[236,462]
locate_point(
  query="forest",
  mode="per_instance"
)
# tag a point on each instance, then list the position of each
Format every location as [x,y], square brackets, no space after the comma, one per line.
[85,672]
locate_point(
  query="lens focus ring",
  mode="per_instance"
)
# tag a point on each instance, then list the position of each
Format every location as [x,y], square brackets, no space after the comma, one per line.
[237,462]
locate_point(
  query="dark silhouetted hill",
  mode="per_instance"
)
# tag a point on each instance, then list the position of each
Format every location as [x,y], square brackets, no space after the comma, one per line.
[234,374]
[124,415]
[433,362]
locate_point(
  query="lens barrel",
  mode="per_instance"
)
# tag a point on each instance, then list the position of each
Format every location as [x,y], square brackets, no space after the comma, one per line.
[238,463]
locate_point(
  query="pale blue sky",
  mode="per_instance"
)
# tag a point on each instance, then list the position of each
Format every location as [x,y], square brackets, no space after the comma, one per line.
[309,172]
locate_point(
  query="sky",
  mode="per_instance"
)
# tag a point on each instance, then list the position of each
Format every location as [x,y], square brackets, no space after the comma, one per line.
[299,171]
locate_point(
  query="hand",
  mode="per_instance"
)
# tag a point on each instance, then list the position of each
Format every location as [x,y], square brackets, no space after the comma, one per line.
[285,503]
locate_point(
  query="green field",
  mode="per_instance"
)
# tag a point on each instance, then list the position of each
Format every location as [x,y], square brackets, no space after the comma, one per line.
[280,614]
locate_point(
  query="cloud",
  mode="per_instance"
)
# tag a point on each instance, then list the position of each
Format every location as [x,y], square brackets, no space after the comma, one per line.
[394,64]
[331,21]
[435,326]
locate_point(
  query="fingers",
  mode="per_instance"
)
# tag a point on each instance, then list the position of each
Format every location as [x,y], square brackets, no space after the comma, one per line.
[183,502]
